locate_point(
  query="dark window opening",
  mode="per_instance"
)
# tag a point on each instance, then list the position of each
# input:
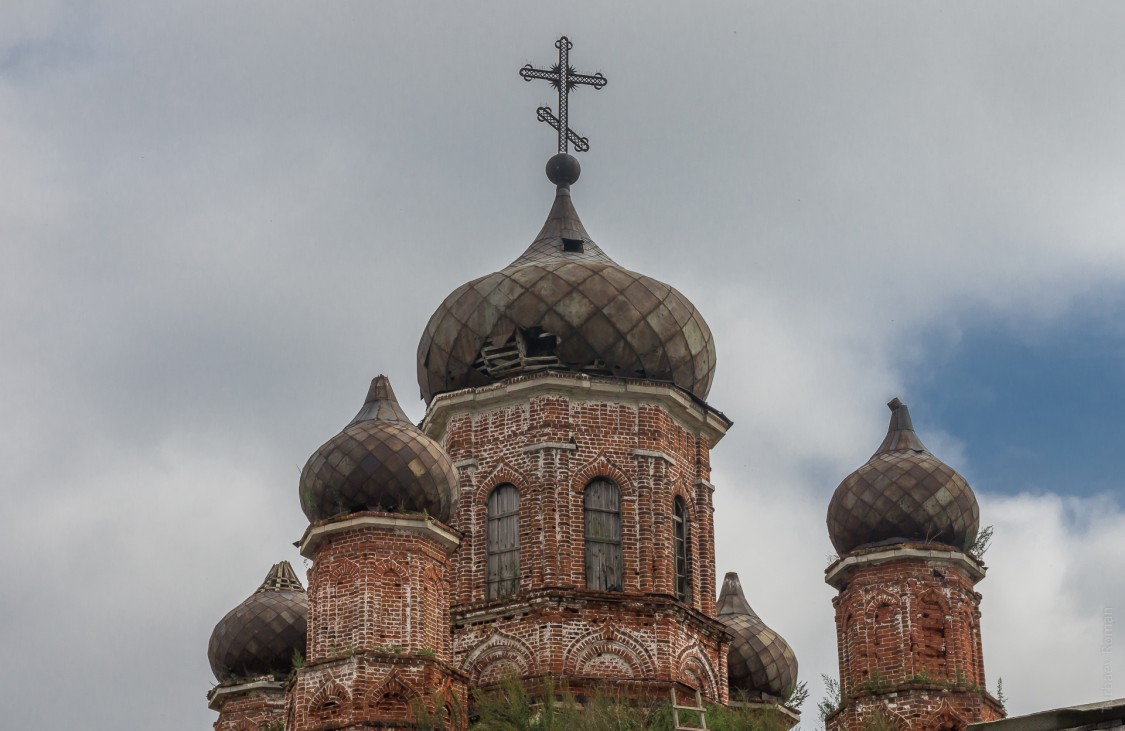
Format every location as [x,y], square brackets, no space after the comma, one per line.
[681,539]
[503,541]
[602,508]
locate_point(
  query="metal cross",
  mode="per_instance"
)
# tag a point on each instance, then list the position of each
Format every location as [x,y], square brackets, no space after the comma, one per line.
[564,78]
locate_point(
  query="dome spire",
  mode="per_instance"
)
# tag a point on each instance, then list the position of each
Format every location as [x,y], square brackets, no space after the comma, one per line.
[380,404]
[281,577]
[731,598]
[901,436]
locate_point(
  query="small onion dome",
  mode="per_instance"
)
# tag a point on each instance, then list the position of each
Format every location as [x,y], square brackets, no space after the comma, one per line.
[760,661]
[903,494]
[564,305]
[260,635]
[380,461]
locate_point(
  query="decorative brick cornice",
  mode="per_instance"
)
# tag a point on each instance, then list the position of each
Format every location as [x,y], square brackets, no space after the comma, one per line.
[651,454]
[841,570]
[692,413]
[317,533]
[219,694]
[548,598]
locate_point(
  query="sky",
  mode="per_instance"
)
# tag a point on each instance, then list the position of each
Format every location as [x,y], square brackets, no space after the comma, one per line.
[219,220]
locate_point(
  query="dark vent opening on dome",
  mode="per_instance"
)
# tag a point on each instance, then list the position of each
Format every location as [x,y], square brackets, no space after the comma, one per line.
[576,246]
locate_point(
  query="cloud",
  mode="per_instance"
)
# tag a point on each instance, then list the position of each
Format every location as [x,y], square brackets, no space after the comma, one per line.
[217,223]
[1055,572]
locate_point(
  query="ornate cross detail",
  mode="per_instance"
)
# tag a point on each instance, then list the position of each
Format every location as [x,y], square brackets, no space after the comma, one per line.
[564,78]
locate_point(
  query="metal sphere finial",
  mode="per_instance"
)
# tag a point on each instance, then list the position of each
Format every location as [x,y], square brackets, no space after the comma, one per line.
[563,169]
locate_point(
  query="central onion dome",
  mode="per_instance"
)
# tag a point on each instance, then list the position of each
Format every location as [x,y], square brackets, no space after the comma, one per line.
[565,305]
[760,661]
[903,493]
[381,462]
[260,635]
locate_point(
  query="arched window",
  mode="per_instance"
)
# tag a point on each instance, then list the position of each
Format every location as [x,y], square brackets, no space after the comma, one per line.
[602,504]
[682,544]
[503,541]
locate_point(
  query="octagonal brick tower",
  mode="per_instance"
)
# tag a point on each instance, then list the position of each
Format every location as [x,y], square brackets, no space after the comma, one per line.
[569,393]
[907,613]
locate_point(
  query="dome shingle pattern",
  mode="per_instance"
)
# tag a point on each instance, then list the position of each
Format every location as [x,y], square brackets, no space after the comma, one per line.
[565,305]
[380,461]
[903,493]
[760,661]
[260,635]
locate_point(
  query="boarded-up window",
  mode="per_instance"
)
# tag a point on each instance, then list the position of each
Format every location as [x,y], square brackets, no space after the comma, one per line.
[503,541]
[681,539]
[602,504]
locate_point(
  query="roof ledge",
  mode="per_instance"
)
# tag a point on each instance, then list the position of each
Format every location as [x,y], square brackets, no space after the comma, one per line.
[1085,716]
[216,695]
[838,573]
[693,413]
[319,532]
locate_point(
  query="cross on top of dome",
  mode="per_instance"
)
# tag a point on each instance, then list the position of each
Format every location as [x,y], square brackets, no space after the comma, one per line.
[564,78]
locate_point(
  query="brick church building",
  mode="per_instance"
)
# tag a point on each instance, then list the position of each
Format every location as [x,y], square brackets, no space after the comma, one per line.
[552,518]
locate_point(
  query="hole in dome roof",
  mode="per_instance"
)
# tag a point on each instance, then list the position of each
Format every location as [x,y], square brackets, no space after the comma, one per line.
[576,246]
[527,350]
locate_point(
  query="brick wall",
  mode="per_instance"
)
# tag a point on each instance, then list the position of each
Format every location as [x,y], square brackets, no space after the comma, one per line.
[589,638]
[550,443]
[372,689]
[378,625]
[908,639]
[372,587]
[250,707]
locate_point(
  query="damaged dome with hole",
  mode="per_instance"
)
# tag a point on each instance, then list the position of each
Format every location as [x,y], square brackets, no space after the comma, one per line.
[564,305]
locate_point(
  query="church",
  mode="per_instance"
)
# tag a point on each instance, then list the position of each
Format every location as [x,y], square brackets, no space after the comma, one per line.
[551,520]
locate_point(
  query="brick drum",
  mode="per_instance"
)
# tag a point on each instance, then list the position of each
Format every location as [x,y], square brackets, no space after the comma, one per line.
[254,705]
[908,636]
[550,435]
[378,625]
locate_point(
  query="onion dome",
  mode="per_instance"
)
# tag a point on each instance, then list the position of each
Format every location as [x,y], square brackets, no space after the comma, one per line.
[903,493]
[380,461]
[760,661]
[260,635]
[564,305]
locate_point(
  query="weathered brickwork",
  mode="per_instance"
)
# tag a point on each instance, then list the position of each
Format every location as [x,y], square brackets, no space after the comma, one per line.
[590,638]
[378,624]
[550,441]
[372,587]
[368,689]
[250,707]
[908,637]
